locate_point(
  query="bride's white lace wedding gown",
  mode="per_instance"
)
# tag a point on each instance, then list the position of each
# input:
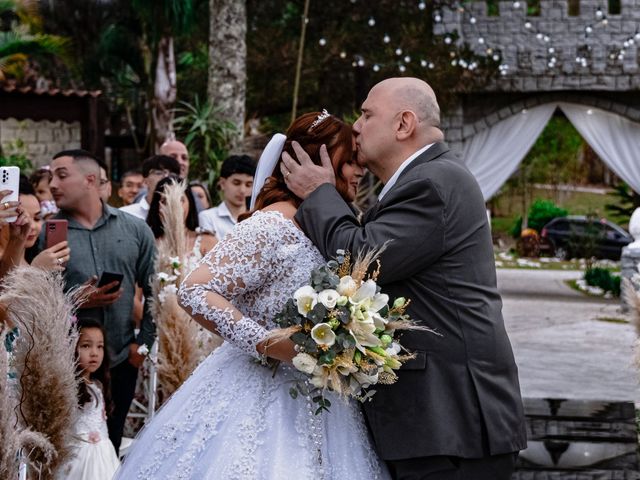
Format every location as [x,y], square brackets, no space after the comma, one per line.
[232,419]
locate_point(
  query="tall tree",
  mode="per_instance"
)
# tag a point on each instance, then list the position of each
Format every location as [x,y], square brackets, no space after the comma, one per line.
[162,21]
[227,60]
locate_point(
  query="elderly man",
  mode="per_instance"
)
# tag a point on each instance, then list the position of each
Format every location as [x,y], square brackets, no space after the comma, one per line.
[456,410]
[177,150]
[104,239]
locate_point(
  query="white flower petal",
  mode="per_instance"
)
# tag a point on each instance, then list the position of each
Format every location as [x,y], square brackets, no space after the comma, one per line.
[322,334]
[304,362]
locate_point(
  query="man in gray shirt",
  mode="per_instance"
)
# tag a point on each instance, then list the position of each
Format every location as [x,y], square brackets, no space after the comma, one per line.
[104,239]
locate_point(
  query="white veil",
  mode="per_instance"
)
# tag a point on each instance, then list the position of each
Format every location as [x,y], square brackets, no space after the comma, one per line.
[266,164]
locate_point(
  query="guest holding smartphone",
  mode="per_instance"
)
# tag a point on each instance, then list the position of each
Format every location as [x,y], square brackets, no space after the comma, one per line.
[24,235]
[105,239]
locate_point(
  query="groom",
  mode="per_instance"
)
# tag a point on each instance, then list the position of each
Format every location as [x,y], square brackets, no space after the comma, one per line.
[455,411]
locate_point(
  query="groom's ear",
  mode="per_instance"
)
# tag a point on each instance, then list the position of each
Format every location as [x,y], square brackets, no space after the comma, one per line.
[407,125]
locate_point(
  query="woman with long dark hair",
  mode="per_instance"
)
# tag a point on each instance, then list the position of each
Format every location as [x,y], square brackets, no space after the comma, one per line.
[198,242]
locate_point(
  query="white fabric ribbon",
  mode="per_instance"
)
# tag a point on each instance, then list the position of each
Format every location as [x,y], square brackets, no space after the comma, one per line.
[266,164]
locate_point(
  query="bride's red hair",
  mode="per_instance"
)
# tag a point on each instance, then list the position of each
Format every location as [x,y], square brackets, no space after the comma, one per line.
[332,132]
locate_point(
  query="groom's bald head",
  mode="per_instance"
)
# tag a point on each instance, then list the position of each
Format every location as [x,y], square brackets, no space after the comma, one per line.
[408,93]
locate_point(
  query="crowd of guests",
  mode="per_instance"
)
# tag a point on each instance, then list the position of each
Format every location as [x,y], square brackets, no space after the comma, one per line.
[116,328]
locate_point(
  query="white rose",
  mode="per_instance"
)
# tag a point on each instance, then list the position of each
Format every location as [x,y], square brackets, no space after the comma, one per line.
[347,286]
[306,298]
[322,334]
[328,298]
[304,362]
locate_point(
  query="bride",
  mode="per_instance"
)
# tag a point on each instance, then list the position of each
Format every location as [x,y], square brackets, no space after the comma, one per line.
[233,418]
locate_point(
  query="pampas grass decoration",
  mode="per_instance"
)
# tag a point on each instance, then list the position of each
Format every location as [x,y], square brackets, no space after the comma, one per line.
[45,364]
[13,439]
[182,344]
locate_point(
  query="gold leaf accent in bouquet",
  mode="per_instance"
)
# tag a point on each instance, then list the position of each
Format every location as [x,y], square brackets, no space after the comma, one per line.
[364,261]
[44,355]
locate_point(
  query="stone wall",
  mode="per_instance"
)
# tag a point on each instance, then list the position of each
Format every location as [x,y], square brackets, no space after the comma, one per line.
[591,58]
[595,50]
[41,139]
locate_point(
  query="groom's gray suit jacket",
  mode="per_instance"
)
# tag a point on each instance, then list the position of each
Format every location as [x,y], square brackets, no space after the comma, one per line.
[461,395]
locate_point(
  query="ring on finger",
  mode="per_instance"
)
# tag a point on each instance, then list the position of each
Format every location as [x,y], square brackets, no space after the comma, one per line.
[6,205]
[60,261]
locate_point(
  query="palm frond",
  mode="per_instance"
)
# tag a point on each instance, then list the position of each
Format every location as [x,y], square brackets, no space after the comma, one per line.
[13,42]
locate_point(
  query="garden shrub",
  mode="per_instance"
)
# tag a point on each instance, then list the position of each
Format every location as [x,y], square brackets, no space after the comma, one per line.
[604,279]
[540,213]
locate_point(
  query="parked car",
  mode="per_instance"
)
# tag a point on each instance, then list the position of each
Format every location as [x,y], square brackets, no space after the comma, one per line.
[580,236]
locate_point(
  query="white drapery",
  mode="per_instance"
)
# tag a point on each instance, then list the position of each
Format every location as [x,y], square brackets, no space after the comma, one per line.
[493,154]
[614,138]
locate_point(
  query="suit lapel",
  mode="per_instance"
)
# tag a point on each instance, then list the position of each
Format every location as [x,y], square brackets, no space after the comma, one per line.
[437,149]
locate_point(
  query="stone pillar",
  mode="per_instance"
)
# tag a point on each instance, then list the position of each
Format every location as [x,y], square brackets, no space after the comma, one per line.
[630,259]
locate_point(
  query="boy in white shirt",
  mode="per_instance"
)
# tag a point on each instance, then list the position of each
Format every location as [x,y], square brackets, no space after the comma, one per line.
[235,183]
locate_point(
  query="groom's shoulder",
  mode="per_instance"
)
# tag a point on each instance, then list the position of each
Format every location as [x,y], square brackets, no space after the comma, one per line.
[446,167]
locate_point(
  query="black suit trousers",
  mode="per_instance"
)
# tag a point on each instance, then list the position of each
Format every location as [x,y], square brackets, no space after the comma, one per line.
[497,467]
[123,388]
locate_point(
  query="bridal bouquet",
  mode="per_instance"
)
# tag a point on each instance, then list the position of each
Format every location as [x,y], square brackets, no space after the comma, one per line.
[345,332]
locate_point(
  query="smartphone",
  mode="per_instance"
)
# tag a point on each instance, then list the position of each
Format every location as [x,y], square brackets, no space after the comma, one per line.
[10,180]
[55,231]
[109,277]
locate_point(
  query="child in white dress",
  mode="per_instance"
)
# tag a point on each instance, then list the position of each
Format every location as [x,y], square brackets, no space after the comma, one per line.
[95,458]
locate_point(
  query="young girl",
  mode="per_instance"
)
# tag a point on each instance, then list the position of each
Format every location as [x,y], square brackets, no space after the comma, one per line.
[95,458]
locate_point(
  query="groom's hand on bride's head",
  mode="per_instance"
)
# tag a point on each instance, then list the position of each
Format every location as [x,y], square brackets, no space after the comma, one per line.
[303,176]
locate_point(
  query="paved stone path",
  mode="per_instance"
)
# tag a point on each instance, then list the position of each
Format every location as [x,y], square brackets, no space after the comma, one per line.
[563,345]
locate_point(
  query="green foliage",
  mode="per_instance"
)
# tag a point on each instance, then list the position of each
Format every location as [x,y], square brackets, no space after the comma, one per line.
[207,137]
[15,154]
[23,40]
[554,156]
[627,202]
[604,279]
[540,213]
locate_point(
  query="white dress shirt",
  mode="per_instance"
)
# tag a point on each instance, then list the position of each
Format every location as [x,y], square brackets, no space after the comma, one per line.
[140,209]
[394,178]
[217,220]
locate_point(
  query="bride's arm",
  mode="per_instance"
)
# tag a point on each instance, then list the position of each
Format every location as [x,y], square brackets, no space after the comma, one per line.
[236,265]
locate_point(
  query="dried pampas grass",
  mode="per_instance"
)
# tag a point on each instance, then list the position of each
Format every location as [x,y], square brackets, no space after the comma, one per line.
[45,365]
[182,344]
[12,438]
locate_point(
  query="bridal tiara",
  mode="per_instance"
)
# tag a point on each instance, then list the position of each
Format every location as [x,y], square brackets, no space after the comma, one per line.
[320,118]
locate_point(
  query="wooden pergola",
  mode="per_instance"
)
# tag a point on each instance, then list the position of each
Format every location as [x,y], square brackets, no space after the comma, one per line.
[81,106]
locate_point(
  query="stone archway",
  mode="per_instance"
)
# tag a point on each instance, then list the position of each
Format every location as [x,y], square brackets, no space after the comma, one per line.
[493,143]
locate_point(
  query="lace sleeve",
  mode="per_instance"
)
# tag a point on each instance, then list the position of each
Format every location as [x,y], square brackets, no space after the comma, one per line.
[238,264]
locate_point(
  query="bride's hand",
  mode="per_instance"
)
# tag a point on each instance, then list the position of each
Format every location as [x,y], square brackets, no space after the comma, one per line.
[282,350]
[303,176]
